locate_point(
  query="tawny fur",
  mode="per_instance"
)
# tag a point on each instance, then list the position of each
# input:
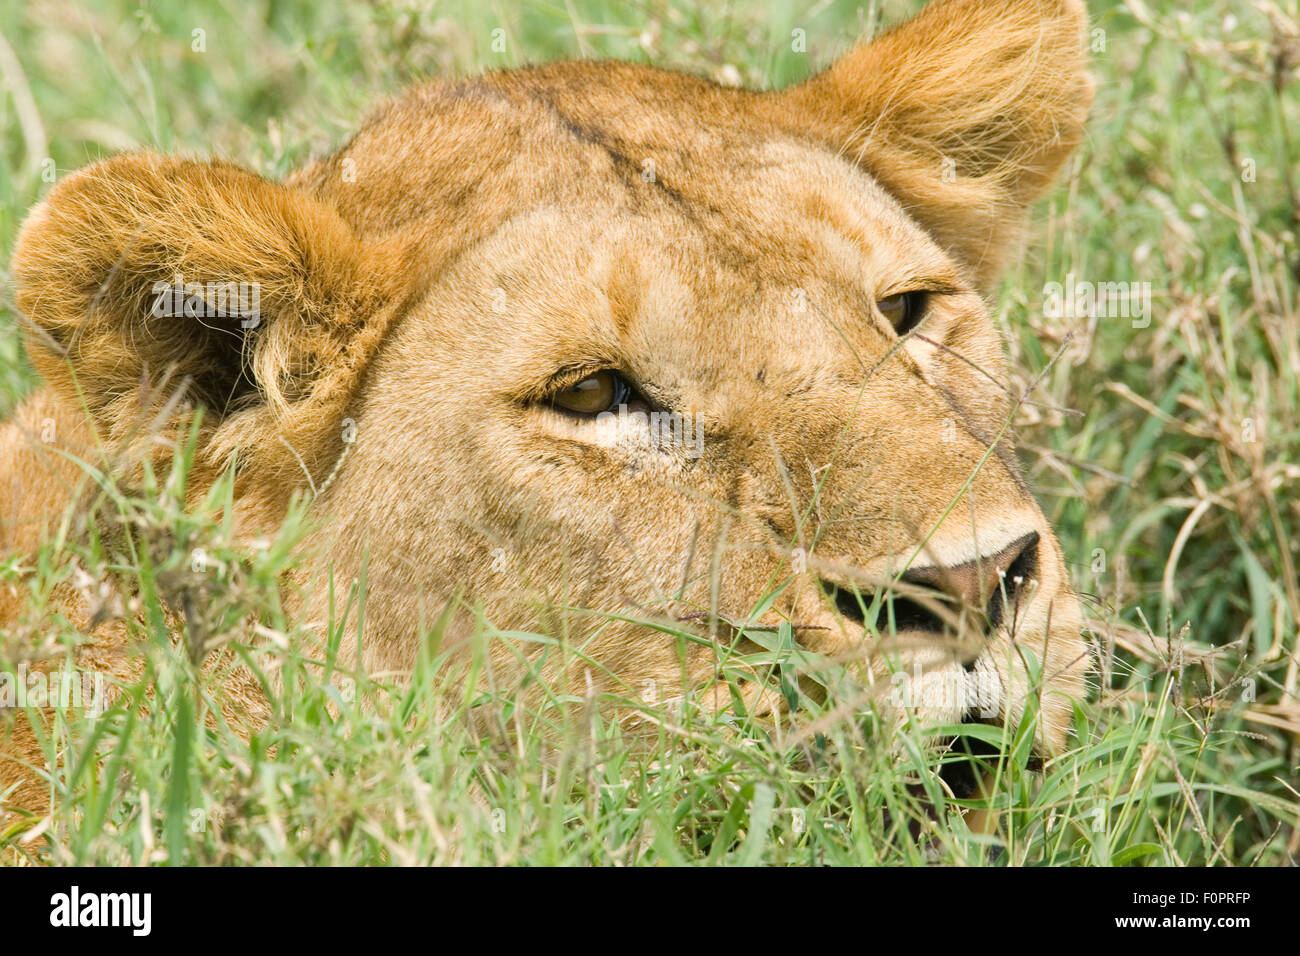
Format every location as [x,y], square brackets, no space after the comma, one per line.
[724,247]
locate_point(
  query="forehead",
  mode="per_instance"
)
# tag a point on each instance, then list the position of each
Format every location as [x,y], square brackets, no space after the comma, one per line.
[453,164]
[604,218]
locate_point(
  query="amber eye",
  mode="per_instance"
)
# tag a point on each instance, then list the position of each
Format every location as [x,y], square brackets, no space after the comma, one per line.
[904,310]
[598,392]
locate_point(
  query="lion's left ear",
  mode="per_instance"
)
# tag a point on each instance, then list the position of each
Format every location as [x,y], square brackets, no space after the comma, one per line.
[964,113]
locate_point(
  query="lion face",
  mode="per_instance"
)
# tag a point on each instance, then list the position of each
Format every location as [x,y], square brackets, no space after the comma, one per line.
[596,337]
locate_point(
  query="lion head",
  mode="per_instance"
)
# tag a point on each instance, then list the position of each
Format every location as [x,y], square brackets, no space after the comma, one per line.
[593,344]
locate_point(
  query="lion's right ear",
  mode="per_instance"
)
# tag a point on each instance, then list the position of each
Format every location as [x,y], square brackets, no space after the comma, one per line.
[965,113]
[144,269]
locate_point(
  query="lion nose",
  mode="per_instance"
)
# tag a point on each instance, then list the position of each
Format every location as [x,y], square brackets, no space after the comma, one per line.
[990,583]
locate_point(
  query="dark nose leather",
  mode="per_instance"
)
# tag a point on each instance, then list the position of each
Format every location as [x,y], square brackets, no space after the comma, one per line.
[989,582]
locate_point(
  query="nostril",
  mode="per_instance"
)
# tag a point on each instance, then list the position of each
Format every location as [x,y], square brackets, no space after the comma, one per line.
[850,604]
[893,614]
[909,615]
[1014,577]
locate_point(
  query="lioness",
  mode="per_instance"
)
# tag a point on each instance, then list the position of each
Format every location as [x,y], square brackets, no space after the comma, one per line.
[599,336]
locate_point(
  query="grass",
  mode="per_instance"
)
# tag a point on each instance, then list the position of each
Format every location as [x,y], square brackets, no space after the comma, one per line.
[1167,457]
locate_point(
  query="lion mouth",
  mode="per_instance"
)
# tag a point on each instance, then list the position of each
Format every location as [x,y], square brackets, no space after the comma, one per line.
[968,767]
[960,771]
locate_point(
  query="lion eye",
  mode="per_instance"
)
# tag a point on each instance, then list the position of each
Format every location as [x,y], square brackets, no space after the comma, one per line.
[904,310]
[598,392]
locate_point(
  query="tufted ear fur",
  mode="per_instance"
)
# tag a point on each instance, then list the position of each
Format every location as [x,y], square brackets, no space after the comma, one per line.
[965,113]
[146,277]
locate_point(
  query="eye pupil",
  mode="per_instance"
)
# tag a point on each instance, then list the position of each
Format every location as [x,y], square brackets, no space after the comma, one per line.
[903,311]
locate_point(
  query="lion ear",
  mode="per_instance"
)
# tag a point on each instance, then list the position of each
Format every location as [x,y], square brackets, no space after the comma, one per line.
[147,270]
[964,113]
